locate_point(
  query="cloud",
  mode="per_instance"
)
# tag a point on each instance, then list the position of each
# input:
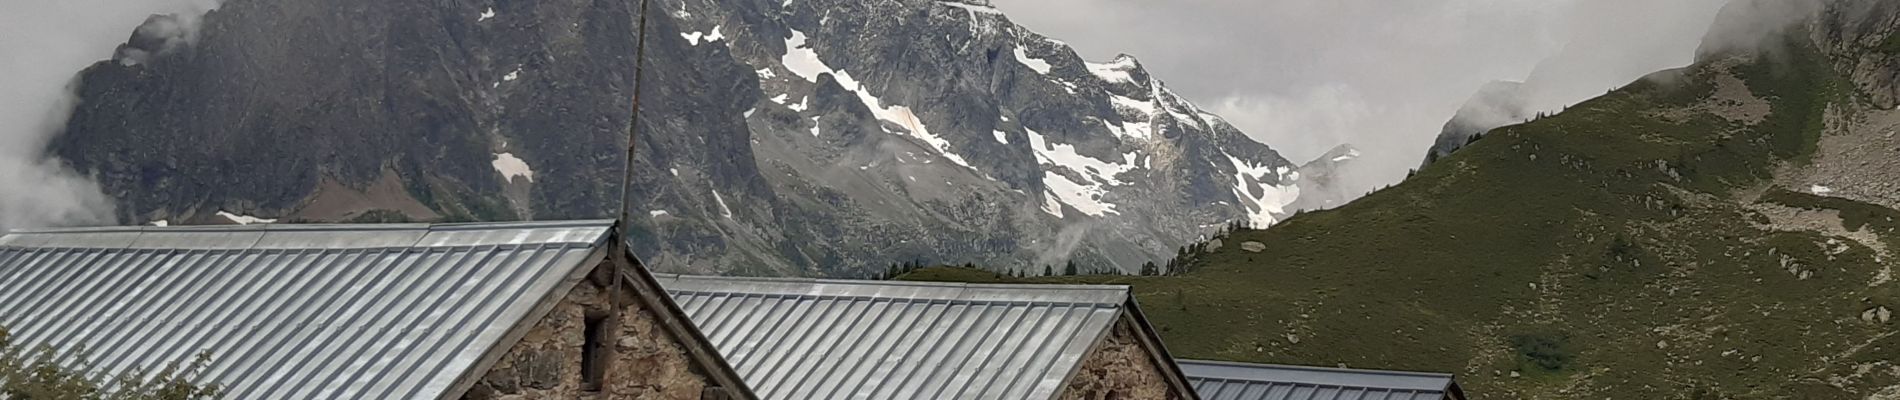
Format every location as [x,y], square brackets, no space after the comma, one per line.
[1384,76]
[43,45]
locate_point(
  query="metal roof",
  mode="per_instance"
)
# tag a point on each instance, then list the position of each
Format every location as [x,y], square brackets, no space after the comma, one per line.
[828,339]
[1216,380]
[291,311]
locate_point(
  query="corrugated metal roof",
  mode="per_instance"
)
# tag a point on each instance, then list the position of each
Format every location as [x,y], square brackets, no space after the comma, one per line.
[1237,381]
[290,311]
[825,339]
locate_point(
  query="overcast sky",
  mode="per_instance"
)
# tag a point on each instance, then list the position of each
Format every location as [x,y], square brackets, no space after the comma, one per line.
[1381,75]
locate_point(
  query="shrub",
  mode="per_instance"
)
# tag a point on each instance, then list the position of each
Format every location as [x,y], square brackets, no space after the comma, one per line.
[38,377]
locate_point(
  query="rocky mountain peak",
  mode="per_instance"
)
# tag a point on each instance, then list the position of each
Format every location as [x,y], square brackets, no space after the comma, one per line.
[805,137]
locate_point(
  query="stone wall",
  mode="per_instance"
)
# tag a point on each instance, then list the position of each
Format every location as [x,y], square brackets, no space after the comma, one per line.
[645,362]
[1119,368]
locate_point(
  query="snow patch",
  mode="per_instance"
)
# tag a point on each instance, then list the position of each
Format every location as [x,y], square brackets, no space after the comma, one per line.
[748,112]
[1085,198]
[972,7]
[1173,104]
[1051,205]
[1002,137]
[245,219]
[675,171]
[1064,155]
[723,210]
[694,38]
[1144,107]
[765,73]
[512,75]
[1115,71]
[1131,129]
[1822,190]
[814,126]
[1260,200]
[486,14]
[781,98]
[656,213]
[973,10]
[1350,154]
[510,167]
[804,103]
[803,61]
[1098,175]
[1041,67]
[161,223]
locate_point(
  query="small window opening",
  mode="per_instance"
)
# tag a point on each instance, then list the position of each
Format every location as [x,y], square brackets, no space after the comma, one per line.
[594,352]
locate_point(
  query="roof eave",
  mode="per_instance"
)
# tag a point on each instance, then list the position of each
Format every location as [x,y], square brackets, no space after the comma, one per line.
[1152,340]
[542,307]
[673,318]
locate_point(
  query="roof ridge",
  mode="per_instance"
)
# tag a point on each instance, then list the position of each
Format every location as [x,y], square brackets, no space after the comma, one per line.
[1314,368]
[925,284]
[428,226]
[283,236]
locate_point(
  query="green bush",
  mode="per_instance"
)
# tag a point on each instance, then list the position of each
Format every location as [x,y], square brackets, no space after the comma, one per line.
[38,377]
[1548,352]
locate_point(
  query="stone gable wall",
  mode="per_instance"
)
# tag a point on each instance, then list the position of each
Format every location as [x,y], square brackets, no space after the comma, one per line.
[647,363]
[1119,368]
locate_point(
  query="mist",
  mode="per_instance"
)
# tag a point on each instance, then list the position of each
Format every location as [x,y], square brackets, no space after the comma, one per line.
[1384,76]
[43,46]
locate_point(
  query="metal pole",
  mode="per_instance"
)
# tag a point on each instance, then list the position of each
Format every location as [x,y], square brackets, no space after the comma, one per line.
[625,252]
[633,127]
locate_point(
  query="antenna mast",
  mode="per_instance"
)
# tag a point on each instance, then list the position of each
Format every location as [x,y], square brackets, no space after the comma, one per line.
[633,126]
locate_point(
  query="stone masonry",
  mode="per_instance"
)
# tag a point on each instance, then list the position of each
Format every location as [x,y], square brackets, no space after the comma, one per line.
[1119,368]
[645,362]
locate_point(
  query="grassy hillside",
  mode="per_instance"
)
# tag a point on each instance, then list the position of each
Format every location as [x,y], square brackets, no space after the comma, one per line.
[1620,249]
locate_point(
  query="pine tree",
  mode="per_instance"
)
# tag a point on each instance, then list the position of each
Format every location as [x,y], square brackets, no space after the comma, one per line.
[1048,270]
[1149,269]
[1070,269]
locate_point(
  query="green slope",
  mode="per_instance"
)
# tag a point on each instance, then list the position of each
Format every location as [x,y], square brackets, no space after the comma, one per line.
[1618,249]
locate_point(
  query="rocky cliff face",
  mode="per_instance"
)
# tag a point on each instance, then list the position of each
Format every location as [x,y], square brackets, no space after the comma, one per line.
[812,137]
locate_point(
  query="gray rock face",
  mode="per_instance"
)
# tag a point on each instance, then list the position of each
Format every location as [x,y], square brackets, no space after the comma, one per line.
[803,137]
